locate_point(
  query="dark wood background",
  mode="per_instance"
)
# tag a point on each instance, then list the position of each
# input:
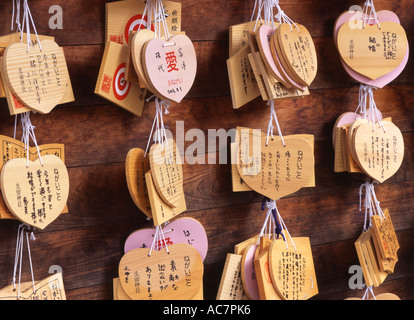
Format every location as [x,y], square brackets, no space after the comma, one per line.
[88,242]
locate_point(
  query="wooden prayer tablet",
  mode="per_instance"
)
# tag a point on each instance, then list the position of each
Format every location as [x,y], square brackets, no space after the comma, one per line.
[275,90]
[51,288]
[275,170]
[344,119]
[162,212]
[118,292]
[136,45]
[122,17]
[182,230]
[292,271]
[243,84]
[297,53]
[238,184]
[379,153]
[167,172]
[111,84]
[356,20]
[35,194]
[130,73]
[258,76]
[231,286]
[372,51]
[378,276]
[37,78]
[170,66]
[238,35]
[248,273]
[385,236]
[136,166]
[274,43]
[176,275]
[11,149]
[386,265]
[263,36]
[363,260]
[264,281]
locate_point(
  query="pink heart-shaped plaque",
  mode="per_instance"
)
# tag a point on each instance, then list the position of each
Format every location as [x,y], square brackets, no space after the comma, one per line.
[383,15]
[183,230]
[170,66]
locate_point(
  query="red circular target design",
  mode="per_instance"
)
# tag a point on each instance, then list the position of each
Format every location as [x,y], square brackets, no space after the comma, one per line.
[120,85]
[136,22]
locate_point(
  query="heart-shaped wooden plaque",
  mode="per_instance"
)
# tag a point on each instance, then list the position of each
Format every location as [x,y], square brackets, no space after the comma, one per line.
[35,194]
[170,66]
[379,152]
[176,275]
[372,51]
[38,78]
[275,170]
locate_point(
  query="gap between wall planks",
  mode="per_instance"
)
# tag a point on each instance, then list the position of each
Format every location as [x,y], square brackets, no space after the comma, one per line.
[88,242]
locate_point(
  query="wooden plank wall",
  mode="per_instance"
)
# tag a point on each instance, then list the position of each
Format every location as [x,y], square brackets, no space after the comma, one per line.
[88,242]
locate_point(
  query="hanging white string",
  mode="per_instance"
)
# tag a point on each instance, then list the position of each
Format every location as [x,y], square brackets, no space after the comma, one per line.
[257,6]
[158,129]
[282,17]
[23,229]
[270,127]
[271,205]
[28,133]
[154,9]
[371,204]
[16,16]
[367,106]
[27,20]
[284,229]
[369,290]
[270,223]
[156,242]
[369,13]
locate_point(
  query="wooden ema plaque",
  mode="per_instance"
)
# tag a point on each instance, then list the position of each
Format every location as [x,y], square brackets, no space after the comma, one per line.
[36,193]
[379,150]
[167,172]
[162,212]
[16,107]
[356,19]
[111,84]
[243,84]
[293,271]
[238,35]
[270,87]
[298,52]
[267,290]
[122,17]
[231,286]
[136,166]
[51,288]
[136,45]
[161,276]
[170,66]
[38,78]
[275,170]
[368,260]
[372,51]
[12,149]
[384,233]
[237,182]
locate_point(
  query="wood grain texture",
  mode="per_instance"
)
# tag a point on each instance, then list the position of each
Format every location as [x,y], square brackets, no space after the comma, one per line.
[88,241]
